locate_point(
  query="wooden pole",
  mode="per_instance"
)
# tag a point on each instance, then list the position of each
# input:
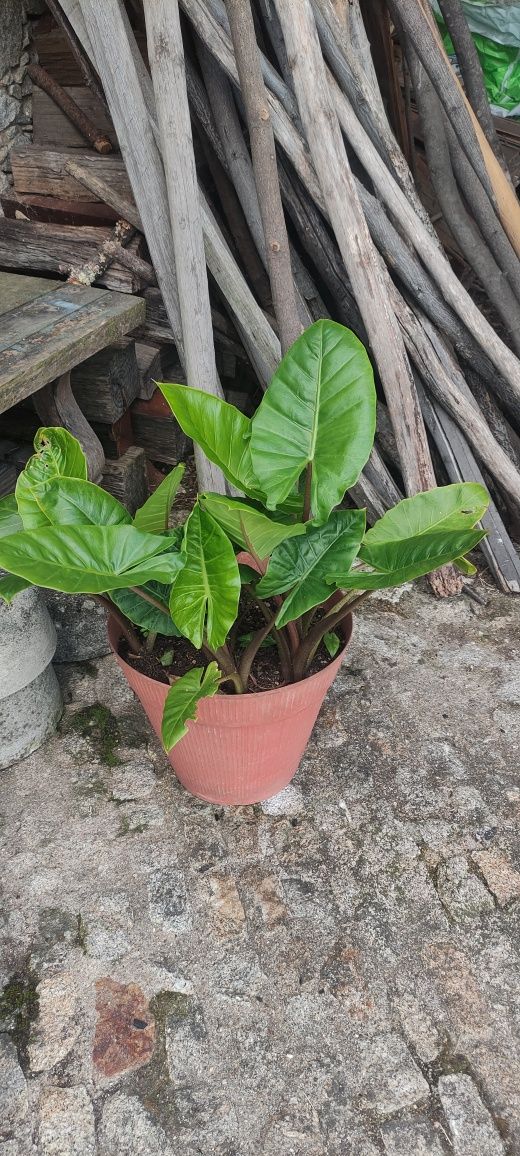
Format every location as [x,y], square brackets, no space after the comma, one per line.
[264,166]
[167,67]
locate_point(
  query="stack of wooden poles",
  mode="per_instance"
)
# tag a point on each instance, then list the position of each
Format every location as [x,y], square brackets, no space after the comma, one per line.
[312,211]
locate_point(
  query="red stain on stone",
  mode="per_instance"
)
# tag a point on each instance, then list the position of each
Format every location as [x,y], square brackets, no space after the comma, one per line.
[125,1029]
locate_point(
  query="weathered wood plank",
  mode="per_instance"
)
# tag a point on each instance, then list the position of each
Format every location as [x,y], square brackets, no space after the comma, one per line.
[53,129]
[55,209]
[126,478]
[42,170]
[16,289]
[32,362]
[59,248]
[107,383]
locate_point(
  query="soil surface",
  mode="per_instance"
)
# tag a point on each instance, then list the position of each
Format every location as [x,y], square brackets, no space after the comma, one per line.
[173,657]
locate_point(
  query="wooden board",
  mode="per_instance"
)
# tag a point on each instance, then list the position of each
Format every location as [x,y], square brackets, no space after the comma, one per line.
[56,331]
[63,212]
[16,290]
[55,55]
[51,248]
[42,170]
[53,129]
[127,478]
[105,385]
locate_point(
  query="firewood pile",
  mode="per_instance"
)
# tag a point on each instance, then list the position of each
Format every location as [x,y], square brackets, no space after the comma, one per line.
[313,172]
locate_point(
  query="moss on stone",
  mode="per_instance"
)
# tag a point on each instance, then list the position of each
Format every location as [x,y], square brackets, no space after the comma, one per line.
[19,1006]
[97,724]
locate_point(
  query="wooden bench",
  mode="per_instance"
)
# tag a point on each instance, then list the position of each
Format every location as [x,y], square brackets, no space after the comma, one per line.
[46,329]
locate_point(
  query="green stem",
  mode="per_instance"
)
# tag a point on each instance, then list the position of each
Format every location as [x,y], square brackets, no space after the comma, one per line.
[151,639]
[123,622]
[236,680]
[150,598]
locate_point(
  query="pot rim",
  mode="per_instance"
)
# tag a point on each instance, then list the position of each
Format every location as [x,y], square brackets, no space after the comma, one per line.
[346,626]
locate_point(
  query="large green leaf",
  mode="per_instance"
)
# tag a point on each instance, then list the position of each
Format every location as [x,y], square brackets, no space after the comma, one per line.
[10,520]
[182,698]
[142,613]
[73,502]
[89,559]
[153,517]
[394,563]
[303,566]
[10,586]
[319,410]
[205,594]
[248,527]
[221,430]
[456,507]
[58,455]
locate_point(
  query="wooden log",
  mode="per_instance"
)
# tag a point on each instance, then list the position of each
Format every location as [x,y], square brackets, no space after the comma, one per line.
[77,51]
[77,116]
[156,430]
[106,192]
[149,367]
[116,437]
[53,248]
[421,30]
[264,166]
[42,170]
[105,385]
[167,67]
[331,162]
[18,206]
[52,129]
[127,479]
[95,267]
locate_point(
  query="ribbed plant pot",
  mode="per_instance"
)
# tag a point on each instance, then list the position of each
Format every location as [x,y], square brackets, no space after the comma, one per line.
[30,698]
[242,748]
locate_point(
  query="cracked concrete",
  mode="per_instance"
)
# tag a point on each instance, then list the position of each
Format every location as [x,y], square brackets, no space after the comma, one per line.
[334,971]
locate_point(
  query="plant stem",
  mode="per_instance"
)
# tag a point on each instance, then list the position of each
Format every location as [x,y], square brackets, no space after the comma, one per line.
[310,644]
[251,651]
[150,598]
[307,496]
[122,621]
[236,680]
[151,639]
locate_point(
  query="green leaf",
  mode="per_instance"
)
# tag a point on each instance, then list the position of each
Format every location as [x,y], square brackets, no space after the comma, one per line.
[152,518]
[320,410]
[397,563]
[456,507]
[10,520]
[331,643]
[58,455]
[221,430]
[249,528]
[421,534]
[303,566]
[88,559]
[10,586]
[142,613]
[72,502]
[182,698]
[465,566]
[166,659]
[205,594]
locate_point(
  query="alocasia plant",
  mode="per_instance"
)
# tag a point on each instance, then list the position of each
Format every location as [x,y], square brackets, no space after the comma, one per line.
[293,462]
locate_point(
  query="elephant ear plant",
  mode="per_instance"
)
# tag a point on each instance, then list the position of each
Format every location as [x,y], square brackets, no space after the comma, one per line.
[310,561]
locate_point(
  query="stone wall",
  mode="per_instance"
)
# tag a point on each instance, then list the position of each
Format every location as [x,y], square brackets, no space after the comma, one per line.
[16,20]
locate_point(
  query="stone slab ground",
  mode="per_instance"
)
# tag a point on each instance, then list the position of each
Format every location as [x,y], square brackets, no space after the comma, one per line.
[335,971]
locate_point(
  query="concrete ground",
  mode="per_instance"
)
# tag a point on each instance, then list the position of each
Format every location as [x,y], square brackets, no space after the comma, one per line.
[333,972]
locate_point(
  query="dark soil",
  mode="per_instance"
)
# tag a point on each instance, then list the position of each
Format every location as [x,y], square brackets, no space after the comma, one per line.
[182,657]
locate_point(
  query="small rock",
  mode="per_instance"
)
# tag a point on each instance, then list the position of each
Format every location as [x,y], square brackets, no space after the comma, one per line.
[125,1029]
[58,1026]
[12,31]
[9,107]
[13,1088]
[463,895]
[502,879]
[168,900]
[66,1123]
[135,780]
[407,1138]
[390,1078]
[472,1130]
[225,901]
[269,900]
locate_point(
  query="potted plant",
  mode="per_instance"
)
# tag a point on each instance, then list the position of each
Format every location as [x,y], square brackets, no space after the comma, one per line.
[240,618]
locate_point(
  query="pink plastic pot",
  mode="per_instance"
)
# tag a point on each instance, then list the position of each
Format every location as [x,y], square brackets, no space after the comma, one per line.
[242,748]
